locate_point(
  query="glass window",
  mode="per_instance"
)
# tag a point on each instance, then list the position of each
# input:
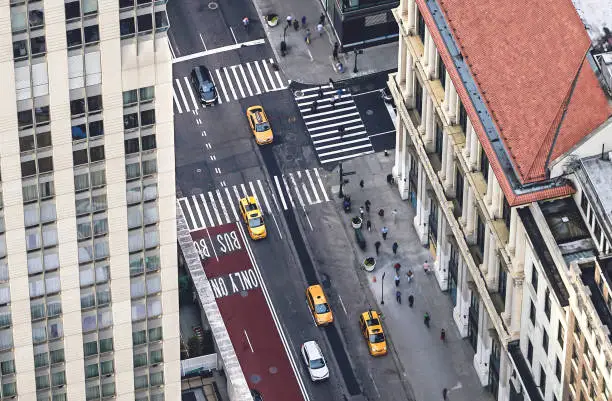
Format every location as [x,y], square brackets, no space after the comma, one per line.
[127,26]
[30,214]
[45,164]
[131,146]
[90,348]
[140,382]
[156,379]
[91,371]
[154,308]
[7,367]
[92,391]
[26,143]
[47,211]
[136,264]
[150,191]
[42,382]
[57,356]
[18,19]
[97,153]
[34,263]
[28,168]
[90,7]
[139,337]
[94,103]
[84,229]
[108,389]
[79,156]
[20,51]
[134,214]
[150,213]
[6,338]
[147,117]
[135,240]
[130,97]
[147,93]
[140,360]
[73,10]
[149,167]
[100,225]
[98,178]
[138,311]
[106,367]
[96,128]
[148,142]
[74,39]
[49,235]
[155,334]
[91,33]
[43,139]
[153,284]
[130,121]
[77,106]
[32,238]
[156,356]
[145,23]
[132,170]
[38,45]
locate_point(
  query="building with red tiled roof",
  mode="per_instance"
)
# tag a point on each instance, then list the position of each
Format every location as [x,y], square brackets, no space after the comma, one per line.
[495,101]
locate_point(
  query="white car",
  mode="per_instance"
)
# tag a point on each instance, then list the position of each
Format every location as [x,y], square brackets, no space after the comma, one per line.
[313,358]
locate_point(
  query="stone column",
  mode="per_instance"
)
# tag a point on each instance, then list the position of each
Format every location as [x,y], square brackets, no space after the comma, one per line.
[468,141]
[420,220]
[411,5]
[490,182]
[519,254]
[399,145]
[402,182]
[487,249]
[483,349]
[430,132]
[450,165]
[507,313]
[517,305]
[505,370]
[409,79]
[442,172]
[464,204]
[512,235]
[452,107]
[461,310]
[404,4]
[474,152]
[424,98]
[443,246]
[447,92]
[401,62]
[471,213]
[433,58]
[493,265]
[424,59]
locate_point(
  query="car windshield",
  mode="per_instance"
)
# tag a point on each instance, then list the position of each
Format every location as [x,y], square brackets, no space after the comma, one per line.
[255,222]
[208,90]
[321,308]
[372,322]
[262,127]
[317,363]
[377,338]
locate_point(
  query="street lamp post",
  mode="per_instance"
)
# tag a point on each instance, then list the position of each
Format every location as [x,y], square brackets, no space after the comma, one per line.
[355,66]
[382,289]
[341,193]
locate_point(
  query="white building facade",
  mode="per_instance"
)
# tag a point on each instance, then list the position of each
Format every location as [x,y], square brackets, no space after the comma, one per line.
[88,253]
[507,300]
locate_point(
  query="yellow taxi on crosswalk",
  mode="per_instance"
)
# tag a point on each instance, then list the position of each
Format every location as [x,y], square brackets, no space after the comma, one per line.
[372,331]
[253,218]
[321,312]
[260,125]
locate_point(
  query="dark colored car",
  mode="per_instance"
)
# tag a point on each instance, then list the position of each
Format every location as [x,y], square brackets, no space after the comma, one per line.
[203,85]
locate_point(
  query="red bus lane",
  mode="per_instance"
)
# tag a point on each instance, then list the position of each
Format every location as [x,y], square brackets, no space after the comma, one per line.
[237,288]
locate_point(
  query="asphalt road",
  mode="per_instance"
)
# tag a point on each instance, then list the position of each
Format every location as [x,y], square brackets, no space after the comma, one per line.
[217,161]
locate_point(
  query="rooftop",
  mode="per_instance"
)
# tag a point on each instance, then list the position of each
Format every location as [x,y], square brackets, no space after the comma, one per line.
[598,178]
[523,72]
[587,274]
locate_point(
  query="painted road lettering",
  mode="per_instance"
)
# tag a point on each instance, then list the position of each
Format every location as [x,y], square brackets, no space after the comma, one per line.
[228,242]
[223,244]
[233,283]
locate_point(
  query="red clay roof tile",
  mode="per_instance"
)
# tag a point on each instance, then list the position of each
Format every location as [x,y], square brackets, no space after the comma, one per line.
[524,56]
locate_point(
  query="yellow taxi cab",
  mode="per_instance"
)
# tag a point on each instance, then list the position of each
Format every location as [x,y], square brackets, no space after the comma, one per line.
[258,120]
[252,217]
[372,331]
[321,312]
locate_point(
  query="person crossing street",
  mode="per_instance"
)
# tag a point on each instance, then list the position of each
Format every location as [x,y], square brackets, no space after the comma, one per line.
[384,231]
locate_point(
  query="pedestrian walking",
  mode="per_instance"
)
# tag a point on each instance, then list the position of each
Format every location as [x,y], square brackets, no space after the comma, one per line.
[381,213]
[307,37]
[397,267]
[377,246]
[322,19]
[396,279]
[409,274]
[369,225]
[289,20]
[314,106]
[442,334]
[398,297]
[410,300]
[331,82]
[320,29]
[341,131]
[444,393]
[296,25]
[333,102]
[335,54]
[384,232]
[394,214]
[394,247]
[426,267]
[361,212]
[361,184]
[367,205]
[303,21]
[320,92]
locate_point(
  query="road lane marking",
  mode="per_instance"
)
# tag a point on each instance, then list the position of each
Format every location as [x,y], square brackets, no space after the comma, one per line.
[195,104]
[229,199]
[203,44]
[337,137]
[246,81]
[288,191]
[227,218]
[190,215]
[263,80]
[321,185]
[229,83]
[233,35]
[277,73]
[332,132]
[263,193]
[285,340]
[238,197]
[383,133]
[310,202]
[334,111]
[248,340]
[176,102]
[342,304]
[178,83]
[374,383]
[344,150]
[195,202]
[297,190]
[227,99]
[244,191]
[322,120]
[316,88]
[252,188]
[337,124]
[214,206]
[268,74]
[351,156]
[312,185]
[343,143]
[280,192]
[233,68]
[254,79]
[218,50]
[210,218]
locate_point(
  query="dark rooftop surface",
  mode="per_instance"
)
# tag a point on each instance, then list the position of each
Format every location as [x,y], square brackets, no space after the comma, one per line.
[514,350]
[550,269]
[588,278]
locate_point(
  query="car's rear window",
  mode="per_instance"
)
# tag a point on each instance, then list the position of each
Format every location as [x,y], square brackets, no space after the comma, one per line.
[321,308]
[377,338]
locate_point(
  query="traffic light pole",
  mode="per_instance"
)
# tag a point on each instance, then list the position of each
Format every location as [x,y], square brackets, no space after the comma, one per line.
[340,193]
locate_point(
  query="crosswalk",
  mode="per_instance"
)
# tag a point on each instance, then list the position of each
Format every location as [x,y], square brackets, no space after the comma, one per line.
[220,206]
[324,119]
[233,83]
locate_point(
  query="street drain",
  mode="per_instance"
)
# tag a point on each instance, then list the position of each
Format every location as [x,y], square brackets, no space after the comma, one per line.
[212,5]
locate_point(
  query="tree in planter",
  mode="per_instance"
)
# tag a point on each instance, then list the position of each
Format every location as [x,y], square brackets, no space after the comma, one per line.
[195,346]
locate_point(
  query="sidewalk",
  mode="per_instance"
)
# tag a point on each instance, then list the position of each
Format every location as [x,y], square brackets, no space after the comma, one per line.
[314,64]
[430,364]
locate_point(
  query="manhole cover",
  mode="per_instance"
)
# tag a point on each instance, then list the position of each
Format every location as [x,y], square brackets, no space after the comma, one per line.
[212,5]
[273,370]
[369,112]
[298,93]
[255,379]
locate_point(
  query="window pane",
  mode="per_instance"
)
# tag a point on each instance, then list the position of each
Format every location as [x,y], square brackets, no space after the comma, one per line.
[134,215]
[98,178]
[79,156]
[100,225]
[90,348]
[153,284]
[45,164]
[57,356]
[147,93]
[150,213]
[47,211]
[136,264]
[150,191]
[73,10]
[26,143]
[79,131]
[91,371]
[28,168]
[106,344]
[139,337]
[131,146]
[148,142]
[90,6]
[34,263]
[130,121]
[140,360]
[74,39]
[137,288]
[154,307]
[59,378]
[156,357]
[138,311]
[30,214]
[96,128]
[106,367]
[7,367]
[130,97]
[147,117]
[132,170]
[91,34]
[94,103]
[97,153]
[155,334]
